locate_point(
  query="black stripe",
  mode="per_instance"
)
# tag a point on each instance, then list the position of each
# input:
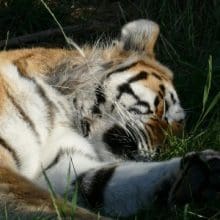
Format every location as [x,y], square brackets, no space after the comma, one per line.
[162,89]
[172,98]
[100,95]
[112,107]
[160,94]
[156,76]
[85,127]
[96,110]
[144,135]
[141,76]
[135,111]
[5,145]
[24,116]
[125,88]
[54,161]
[100,99]
[69,152]
[166,106]
[75,101]
[49,104]
[145,104]
[121,69]
[94,192]
[156,101]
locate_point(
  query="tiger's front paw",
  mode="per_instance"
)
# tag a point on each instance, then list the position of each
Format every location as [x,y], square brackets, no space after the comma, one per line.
[198,180]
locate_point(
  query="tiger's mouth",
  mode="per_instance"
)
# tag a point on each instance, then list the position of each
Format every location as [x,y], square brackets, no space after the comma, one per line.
[121,141]
[137,143]
[177,128]
[130,141]
[158,129]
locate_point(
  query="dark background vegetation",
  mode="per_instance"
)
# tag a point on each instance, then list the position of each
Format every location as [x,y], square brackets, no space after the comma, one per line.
[190,35]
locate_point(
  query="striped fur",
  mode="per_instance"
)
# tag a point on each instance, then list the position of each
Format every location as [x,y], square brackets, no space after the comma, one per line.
[82,117]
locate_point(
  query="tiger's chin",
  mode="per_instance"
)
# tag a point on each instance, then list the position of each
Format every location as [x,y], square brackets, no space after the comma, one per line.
[159,130]
[177,128]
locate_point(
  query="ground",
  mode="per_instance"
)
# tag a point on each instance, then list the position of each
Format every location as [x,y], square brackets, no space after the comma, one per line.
[189,44]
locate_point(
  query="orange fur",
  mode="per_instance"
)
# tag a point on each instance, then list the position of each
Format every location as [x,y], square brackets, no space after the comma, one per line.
[2,95]
[22,193]
[24,197]
[36,60]
[17,192]
[156,126]
[42,61]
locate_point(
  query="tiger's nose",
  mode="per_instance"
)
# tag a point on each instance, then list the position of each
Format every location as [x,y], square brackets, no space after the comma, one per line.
[175,114]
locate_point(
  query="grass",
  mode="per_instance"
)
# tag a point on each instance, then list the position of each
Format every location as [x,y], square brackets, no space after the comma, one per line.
[189,44]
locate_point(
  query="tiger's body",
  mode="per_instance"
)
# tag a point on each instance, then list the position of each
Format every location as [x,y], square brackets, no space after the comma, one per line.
[82,120]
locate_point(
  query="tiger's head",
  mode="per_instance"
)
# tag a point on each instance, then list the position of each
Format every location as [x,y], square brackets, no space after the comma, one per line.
[127,101]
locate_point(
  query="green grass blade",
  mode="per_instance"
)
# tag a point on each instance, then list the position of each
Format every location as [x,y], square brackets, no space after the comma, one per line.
[206,96]
[67,39]
[185,212]
[6,212]
[6,40]
[52,194]
[207,85]
[214,102]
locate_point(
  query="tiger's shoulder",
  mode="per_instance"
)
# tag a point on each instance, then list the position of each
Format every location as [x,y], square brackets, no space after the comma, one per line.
[37,60]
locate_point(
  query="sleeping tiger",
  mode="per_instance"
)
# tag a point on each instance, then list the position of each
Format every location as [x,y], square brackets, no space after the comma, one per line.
[93,121]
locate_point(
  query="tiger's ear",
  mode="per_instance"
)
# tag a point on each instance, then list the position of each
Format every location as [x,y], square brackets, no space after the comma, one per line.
[140,36]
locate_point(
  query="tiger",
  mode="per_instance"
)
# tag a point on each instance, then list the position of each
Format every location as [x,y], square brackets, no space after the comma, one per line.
[92,122]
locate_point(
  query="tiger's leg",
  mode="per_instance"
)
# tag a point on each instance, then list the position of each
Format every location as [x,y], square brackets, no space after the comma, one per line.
[20,197]
[115,188]
[123,189]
